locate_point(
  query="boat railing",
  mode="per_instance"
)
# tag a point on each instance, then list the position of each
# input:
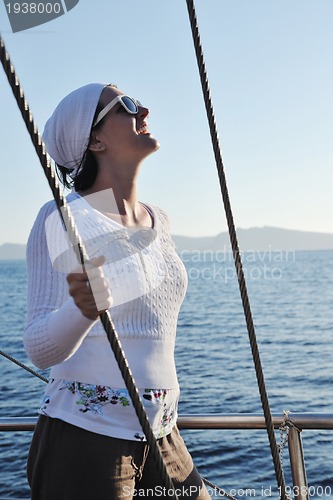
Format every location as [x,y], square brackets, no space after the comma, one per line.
[295,423]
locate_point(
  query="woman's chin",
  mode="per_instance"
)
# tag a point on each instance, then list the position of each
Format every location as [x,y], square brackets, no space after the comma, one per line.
[154,145]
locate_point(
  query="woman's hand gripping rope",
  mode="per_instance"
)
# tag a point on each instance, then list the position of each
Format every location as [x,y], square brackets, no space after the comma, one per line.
[90,289]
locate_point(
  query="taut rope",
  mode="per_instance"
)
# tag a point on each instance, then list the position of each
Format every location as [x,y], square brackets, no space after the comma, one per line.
[235,249]
[68,220]
[22,365]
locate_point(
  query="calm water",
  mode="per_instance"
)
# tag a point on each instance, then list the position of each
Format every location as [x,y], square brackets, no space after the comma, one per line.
[291,295]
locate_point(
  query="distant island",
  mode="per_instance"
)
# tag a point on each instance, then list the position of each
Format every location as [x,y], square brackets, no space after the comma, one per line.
[258,239]
[253,239]
[12,251]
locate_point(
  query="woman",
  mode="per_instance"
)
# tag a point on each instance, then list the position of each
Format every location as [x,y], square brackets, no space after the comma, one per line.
[88,443]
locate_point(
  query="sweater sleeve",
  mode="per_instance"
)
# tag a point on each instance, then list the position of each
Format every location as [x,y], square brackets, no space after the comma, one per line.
[55,326]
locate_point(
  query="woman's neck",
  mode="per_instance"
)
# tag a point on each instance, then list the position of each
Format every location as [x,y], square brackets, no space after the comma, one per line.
[115,195]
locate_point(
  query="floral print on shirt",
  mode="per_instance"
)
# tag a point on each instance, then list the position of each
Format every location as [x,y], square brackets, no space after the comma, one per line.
[94,397]
[101,404]
[158,396]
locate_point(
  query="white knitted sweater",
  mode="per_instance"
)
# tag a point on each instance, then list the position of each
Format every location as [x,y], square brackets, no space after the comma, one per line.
[148,283]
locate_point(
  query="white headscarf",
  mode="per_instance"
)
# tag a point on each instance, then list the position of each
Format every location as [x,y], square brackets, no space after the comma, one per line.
[67,131]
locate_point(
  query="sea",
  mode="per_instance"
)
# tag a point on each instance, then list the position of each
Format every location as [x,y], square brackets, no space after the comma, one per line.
[291,298]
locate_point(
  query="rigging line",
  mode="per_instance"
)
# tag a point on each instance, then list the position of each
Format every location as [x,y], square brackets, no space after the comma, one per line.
[22,365]
[68,220]
[218,490]
[235,250]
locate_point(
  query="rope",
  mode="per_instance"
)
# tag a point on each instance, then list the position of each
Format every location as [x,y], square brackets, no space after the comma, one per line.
[235,249]
[218,490]
[22,365]
[74,237]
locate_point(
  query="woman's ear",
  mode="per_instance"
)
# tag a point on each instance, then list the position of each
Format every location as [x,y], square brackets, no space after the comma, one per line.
[95,145]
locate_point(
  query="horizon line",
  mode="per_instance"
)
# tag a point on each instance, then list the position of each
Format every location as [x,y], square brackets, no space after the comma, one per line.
[217,234]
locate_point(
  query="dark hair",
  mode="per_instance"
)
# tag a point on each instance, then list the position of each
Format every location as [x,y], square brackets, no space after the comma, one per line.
[86,176]
[87,169]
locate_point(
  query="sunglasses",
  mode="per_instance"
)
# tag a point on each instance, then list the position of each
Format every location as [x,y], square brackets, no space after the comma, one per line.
[129,104]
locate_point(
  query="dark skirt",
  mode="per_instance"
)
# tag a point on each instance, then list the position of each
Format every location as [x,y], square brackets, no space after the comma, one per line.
[69,463]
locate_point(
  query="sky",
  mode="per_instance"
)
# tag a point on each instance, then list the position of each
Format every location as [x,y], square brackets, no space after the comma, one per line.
[270,70]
